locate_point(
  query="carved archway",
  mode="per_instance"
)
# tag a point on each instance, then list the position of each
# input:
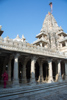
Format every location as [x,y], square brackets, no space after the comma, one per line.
[28,69]
[36,70]
[45,71]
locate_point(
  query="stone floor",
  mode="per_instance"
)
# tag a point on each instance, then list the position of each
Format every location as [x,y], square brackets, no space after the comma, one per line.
[54,95]
[49,92]
[62,95]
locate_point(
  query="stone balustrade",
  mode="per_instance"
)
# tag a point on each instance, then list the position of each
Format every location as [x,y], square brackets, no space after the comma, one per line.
[14,45]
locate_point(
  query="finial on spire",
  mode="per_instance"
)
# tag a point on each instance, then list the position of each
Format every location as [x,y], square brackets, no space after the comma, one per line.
[50,6]
[49,13]
[0,27]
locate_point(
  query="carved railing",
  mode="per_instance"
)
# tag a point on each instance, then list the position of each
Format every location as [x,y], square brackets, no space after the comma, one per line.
[13,45]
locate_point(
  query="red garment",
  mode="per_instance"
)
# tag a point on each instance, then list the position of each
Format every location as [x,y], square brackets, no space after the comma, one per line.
[5,78]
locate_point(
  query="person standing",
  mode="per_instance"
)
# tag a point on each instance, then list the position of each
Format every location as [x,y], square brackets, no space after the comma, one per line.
[5,78]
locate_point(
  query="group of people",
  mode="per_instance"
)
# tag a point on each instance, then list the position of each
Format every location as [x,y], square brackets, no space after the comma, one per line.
[5,78]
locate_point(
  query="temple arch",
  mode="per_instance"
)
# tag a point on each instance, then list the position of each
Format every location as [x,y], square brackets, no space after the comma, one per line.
[20,72]
[28,69]
[45,71]
[54,70]
[37,71]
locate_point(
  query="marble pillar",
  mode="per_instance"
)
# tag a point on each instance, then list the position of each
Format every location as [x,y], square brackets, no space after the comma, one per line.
[9,69]
[15,77]
[41,72]
[65,70]
[56,72]
[33,61]
[24,80]
[41,44]
[59,71]
[50,79]
[4,65]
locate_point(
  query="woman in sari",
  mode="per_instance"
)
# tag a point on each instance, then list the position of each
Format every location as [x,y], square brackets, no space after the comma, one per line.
[5,78]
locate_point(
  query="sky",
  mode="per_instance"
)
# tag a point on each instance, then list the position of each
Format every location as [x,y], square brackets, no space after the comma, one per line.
[25,17]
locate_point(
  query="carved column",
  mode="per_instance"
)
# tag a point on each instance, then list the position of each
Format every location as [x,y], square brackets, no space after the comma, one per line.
[50,79]
[65,70]
[56,71]
[24,80]
[9,69]
[16,79]
[59,71]
[4,65]
[60,44]
[33,61]
[41,44]
[41,71]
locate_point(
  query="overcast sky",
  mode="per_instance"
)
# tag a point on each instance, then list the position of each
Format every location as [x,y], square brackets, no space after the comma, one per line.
[26,17]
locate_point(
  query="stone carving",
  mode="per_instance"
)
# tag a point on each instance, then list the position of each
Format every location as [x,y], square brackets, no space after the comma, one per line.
[54,37]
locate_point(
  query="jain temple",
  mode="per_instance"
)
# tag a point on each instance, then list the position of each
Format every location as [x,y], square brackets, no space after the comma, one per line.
[41,63]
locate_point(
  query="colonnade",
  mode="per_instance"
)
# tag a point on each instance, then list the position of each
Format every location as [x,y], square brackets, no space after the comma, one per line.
[32,70]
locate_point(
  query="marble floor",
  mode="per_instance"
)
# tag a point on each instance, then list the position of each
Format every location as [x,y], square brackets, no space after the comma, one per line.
[60,94]
[55,91]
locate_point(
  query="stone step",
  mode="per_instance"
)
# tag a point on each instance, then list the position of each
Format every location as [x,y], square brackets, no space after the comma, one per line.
[30,90]
[46,86]
[25,88]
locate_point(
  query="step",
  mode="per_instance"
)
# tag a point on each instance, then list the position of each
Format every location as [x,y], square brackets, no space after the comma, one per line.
[30,90]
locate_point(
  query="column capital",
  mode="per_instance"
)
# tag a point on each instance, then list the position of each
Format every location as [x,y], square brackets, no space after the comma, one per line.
[10,57]
[59,60]
[40,61]
[16,55]
[65,61]
[26,59]
[34,58]
[49,60]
